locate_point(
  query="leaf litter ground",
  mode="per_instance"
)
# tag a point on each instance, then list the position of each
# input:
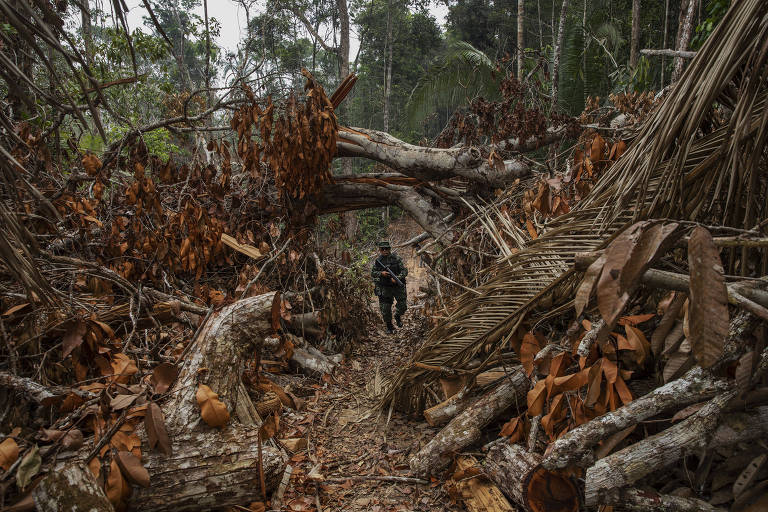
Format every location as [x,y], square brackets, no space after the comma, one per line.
[345,439]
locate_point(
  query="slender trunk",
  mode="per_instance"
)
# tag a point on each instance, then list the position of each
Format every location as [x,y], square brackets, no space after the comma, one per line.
[85,16]
[186,80]
[684,36]
[584,50]
[388,66]
[634,49]
[541,29]
[664,42]
[520,37]
[558,51]
[341,5]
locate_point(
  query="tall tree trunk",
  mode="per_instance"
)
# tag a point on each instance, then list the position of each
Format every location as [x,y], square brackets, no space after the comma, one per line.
[541,28]
[664,42]
[634,49]
[186,80]
[388,66]
[684,35]
[558,51]
[520,37]
[85,16]
[348,219]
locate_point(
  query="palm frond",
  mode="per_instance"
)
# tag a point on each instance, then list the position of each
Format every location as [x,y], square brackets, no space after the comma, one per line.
[459,74]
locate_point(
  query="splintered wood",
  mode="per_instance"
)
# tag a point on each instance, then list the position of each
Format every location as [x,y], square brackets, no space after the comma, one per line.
[470,486]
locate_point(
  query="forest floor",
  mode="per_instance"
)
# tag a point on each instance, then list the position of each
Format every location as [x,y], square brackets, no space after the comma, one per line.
[347,438]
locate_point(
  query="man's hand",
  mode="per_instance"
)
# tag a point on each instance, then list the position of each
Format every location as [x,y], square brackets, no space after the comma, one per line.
[384,273]
[393,280]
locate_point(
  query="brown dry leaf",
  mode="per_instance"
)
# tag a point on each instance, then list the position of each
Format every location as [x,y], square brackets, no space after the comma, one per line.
[9,452]
[123,368]
[154,423]
[588,284]
[117,488]
[531,229]
[610,370]
[667,323]
[91,164]
[163,377]
[276,306]
[594,379]
[537,398]
[70,440]
[14,309]
[744,370]
[639,343]
[635,319]
[622,390]
[120,402]
[213,410]
[607,446]
[677,364]
[708,309]
[528,350]
[748,475]
[73,338]
[269,427]
[28,467]
[132,469]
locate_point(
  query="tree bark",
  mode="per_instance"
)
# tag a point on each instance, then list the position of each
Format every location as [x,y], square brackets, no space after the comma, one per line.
[212,468]
[71,489]
[634,51]
[609,475]
[519,474]
[446,410]
[557,52]
[684,35]
[575,447]
[466,428]
[645,501]
[520,38]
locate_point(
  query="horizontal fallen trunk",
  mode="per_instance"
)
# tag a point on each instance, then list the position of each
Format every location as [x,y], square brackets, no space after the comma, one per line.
[466,428]
[519,474]
[71,489]
[312,323]
[669,53]
[575,447]
[706,429]
[651,501]
[211,468]
[315,361]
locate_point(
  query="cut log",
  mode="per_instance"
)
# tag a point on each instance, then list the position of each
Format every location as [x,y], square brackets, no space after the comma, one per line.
[575,447]
[312,323]
[71,489]
[448,409]
[211,468]
[476,492]
[313,361]
[466,428]
[519,474]
[643,500]
[608,476]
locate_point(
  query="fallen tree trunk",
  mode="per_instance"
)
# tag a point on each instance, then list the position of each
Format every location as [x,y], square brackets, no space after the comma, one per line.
[448,409]
[575,447]
[212,468]
[605,480]
[520,475]
[642,500]
[466,428]
[71,489]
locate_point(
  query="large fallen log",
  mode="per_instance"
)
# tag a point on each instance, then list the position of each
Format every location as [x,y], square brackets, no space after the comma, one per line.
[575,447]
[466,428]
[211,468]
[72,489]
[520,475]
[448,409]
[707,428]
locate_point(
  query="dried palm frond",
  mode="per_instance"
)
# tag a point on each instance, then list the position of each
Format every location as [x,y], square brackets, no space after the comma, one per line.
[682,166]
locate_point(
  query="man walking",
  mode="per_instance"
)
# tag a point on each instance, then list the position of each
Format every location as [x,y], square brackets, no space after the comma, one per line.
[388,273]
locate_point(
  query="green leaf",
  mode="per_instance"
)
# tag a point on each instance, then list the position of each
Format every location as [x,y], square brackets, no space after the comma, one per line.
[29,467]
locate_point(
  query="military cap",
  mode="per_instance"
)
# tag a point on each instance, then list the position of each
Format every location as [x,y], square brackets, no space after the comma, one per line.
[384,244]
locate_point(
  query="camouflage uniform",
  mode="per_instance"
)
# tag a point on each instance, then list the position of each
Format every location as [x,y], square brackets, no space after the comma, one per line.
[386,290]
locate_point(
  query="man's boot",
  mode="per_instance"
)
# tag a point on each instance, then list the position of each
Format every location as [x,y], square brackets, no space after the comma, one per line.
[390,328]
[398,320]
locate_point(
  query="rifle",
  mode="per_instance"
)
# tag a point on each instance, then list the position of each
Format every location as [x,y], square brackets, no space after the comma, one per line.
[390,272]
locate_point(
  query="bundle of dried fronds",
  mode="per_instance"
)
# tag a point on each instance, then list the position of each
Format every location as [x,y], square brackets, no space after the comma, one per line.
[686,164]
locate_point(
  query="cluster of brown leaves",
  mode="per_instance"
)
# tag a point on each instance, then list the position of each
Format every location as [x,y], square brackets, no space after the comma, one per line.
[298,145]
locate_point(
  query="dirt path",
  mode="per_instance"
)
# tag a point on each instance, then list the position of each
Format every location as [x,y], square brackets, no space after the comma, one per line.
[346,439]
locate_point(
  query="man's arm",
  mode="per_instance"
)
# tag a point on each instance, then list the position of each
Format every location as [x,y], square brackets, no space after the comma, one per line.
[403,269]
